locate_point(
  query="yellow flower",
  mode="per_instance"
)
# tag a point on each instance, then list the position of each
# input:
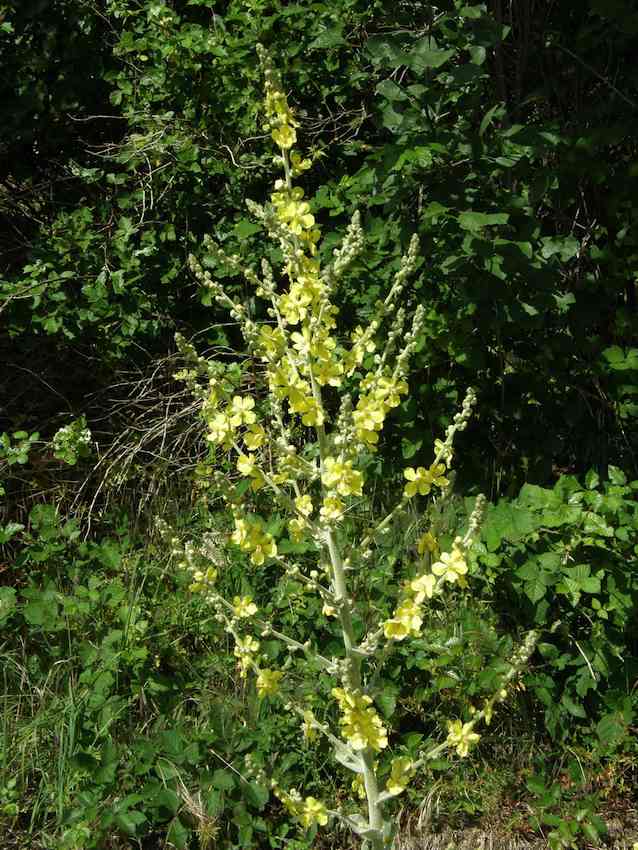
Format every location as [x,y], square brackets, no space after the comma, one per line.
[313,812]
[243,606]
[294,305]
[242,411]
[240,534]
[246,464]
[304,505]
[340,476]
[328,610]
[395,629]
[407,620]
[488,710]
[368,345]
[203,579]
[297,216]
[360,725]
[461,737]
[369,415]
[332,509]
[452,566]
[296,529]
[390,391]
[272,342]
[419,481]
[245,649]
[423,587]
[310,238]
[312,415]
[291,800]
[268,683]
[436,471]
[400,775]
[251,537]
[254,437]
[284,136]
[328,372]
[264,548]
[220,428]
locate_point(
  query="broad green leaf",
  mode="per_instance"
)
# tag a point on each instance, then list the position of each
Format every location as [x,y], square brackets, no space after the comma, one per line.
[332,37]
[390,90]
[223,779]
[536,588]
[611,729]
[573,707]
[474,221]
[566,247]
[384,50]
[472,12]
[129,822]
[256,795]
[478,54]
[592,480]
[425,54]
[9,530]
[244,227]
[178,835]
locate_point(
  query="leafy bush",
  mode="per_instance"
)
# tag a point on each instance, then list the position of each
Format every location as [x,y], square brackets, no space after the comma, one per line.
[564,560]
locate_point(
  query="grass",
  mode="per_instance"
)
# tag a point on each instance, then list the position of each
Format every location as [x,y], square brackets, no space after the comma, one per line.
[172,716]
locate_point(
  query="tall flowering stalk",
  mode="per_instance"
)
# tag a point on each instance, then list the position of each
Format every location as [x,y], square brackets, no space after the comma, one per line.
[308,441]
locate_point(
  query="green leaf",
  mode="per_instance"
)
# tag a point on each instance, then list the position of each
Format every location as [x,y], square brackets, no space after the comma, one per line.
[9,530]
[494,111]
[472,12]
[573,707]
[592,480]
[475,221]
[223,779]
[167,799]
[390,90]
[595,524]
[478,54]
[590,832]
[244,227]
[425,54]
[128,822]
[384,51]
[387,699]
[332,37]
[536,588]
[410,447]
[620,361]
[178,835]
[616,476]
[256,795]
[566,247]
[611,729]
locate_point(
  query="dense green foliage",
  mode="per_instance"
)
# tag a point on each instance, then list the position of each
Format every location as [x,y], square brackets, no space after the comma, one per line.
[506,138]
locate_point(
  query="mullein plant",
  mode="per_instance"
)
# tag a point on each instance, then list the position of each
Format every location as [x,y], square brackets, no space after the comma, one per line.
[308,441]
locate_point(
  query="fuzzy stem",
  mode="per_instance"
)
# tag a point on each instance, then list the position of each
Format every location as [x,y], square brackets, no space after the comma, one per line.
[353,660]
